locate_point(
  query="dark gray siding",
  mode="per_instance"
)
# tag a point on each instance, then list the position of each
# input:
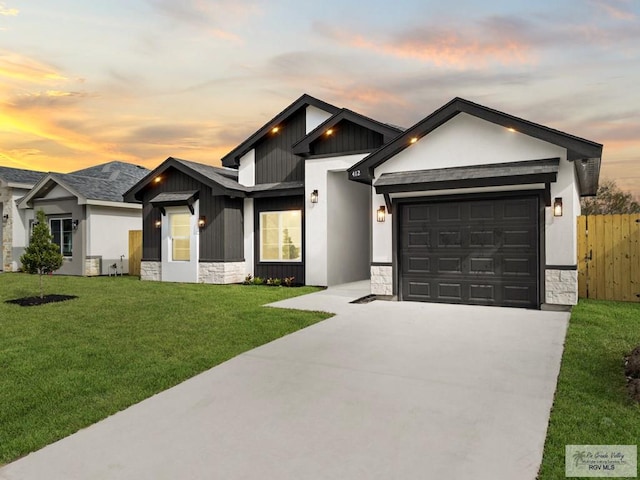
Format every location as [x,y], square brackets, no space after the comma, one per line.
[347,137]
[221,239]
[234,230]
[276,269]
[274,160]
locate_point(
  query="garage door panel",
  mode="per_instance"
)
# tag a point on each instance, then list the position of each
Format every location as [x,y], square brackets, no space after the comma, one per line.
[485,252]
[419,239]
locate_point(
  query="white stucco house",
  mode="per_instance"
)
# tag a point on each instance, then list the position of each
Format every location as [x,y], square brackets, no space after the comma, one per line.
[88,216]
[469,205]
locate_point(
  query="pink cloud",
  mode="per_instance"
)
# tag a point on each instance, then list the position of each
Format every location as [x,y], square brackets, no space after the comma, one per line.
[616,9]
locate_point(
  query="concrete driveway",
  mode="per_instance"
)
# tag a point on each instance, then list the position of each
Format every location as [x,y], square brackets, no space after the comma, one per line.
[383,390]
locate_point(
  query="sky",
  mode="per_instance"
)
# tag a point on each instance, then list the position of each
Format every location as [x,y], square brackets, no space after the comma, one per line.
[83,83]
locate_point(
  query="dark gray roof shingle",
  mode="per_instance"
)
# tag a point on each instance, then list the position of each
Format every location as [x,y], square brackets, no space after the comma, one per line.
[17,175]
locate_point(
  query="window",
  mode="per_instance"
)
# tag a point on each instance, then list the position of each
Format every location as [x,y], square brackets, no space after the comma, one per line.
[62,231]
[180,224]
[281,236]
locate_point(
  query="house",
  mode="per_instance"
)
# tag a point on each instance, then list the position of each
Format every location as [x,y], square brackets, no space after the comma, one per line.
[470,205]
[88,217]
[14,184]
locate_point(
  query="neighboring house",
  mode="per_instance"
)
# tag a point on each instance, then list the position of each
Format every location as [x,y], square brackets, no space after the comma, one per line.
[458,208]
[87,215]
[15,183]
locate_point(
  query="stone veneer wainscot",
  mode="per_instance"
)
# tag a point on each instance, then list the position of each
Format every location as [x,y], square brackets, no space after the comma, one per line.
[561,286]
[221,272]
[382,279]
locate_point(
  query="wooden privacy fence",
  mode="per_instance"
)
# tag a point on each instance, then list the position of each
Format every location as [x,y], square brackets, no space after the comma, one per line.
[135,252]
[609,257]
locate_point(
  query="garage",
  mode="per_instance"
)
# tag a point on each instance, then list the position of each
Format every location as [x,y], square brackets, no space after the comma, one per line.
[483,251]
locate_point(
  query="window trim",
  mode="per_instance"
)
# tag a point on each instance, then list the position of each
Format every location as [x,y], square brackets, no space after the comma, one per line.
[295,261]
[62,231]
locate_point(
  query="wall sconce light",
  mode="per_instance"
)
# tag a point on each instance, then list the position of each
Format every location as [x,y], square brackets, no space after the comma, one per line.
[202,221]
[157,223]
[5,217]
[74,224]
[557,207]
[382,213]
[314,196]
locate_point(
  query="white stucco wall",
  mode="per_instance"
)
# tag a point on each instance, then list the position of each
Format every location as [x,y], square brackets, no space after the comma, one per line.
[315,116]
[561,232]
[248,237]
[318,234]
[107,233]
[466,140]
[247,169]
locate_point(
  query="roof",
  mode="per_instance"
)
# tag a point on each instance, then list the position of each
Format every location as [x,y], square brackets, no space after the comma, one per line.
[232,159]
[388,132]
[515,173]
[103,183]
[588,153]
[17,177]
[223,180]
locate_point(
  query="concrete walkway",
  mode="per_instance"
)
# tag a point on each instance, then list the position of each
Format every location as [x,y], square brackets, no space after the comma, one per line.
[383,390]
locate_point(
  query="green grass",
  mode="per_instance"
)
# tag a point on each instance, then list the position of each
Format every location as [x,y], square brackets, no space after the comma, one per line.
[591,403]
[64,366]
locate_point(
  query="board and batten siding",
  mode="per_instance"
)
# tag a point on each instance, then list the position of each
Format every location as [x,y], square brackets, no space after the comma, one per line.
[275,162]
[347,137]
[220,240]
[278,269]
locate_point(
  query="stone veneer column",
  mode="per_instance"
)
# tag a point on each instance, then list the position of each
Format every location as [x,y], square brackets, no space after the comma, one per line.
[222,272]
[561,286]
[6,249]
[382,279]
[151,271]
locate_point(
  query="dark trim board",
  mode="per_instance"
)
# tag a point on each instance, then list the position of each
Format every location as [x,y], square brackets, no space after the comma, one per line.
[561,267]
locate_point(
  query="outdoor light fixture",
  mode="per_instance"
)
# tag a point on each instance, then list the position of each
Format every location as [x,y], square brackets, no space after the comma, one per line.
[382,213]
[413,140]
[202,221]
[158,179]
[329,132]
[314,196]
[74,224]
[275,129]
[5,217]
[557,207]
[157,223]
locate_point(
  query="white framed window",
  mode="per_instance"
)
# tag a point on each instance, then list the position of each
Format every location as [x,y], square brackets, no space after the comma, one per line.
[180,228]
[62,231]
[281,236]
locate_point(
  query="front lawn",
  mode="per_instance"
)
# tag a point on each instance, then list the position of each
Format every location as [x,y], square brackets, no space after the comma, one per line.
[591,404]
[66,365]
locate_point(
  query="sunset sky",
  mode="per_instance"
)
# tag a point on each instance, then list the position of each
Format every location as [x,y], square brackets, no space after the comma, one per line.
[83,83]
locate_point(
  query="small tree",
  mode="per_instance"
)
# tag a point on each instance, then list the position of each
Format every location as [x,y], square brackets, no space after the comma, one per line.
[42,256]
[610,199]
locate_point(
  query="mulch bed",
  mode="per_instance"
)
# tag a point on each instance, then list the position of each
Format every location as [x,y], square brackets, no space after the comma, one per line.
[34,301]
[632,371]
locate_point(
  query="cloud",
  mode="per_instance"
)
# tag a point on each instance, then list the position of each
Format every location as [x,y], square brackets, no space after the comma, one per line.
[8,12]
[208,16]
[496,40]
[46,99]
[19,67]
[616,9]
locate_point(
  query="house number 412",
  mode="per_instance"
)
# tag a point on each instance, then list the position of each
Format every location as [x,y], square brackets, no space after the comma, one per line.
[355,173]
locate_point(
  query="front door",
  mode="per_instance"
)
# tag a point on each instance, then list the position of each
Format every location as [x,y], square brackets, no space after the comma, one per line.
[180,245]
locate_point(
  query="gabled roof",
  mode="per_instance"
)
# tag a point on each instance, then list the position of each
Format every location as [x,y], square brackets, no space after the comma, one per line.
[388,132]
[101,183]
[587,152]
[224,180]
[17,177]
[232,159]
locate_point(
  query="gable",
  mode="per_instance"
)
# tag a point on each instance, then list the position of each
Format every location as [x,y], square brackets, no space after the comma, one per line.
[466,140]
[585,154]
